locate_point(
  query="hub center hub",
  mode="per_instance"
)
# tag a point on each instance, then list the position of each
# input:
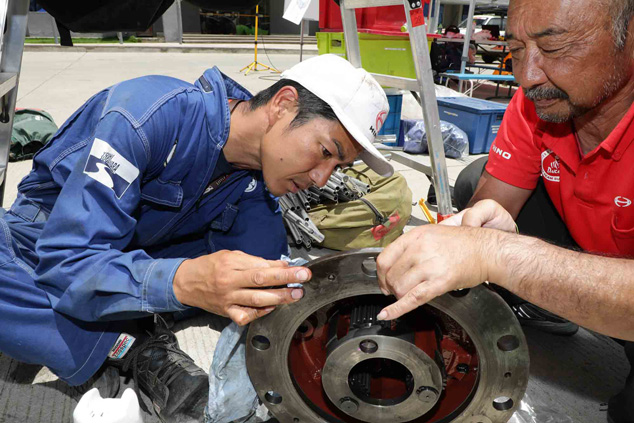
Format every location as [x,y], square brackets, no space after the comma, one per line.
[377,373]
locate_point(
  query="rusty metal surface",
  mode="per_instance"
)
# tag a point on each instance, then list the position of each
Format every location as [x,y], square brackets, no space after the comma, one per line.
[500,345]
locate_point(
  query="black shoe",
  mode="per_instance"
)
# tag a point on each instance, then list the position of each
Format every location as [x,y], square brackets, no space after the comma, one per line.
[531,315]
[431,195]
[107,380]
[621,406]
[620,410]
[177,387]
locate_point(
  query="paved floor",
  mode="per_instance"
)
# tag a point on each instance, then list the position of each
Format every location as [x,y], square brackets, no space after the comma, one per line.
[217,47]
[571,378]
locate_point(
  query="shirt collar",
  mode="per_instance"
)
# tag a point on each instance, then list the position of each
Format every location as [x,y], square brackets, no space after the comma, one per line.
[217,89]
[560,138]
[621,137]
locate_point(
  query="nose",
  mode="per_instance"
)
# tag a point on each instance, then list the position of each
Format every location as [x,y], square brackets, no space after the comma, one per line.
[319,174]
[529,71]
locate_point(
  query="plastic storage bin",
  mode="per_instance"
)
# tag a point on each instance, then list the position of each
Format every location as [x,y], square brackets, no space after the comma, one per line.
[383,54]
[480,119]
[392,124]
[330,16]
[387,19]
[331,43]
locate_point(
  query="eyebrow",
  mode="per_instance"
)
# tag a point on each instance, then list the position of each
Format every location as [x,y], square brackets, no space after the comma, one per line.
[550,31]
[339,149]
[545,33]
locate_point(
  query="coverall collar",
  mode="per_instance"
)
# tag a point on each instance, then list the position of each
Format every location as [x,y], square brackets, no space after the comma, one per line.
[218,89]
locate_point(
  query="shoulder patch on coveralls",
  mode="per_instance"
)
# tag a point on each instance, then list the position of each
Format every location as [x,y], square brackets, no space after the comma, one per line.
[107,166]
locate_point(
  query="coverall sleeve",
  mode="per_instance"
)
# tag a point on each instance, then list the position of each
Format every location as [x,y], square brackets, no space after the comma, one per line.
[83,266]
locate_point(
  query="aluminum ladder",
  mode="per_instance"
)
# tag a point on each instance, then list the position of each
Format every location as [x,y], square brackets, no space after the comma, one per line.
[423,84]
[12,47]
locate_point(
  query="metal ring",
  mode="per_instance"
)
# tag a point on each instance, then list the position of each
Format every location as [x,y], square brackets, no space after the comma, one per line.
[503,372]
[424,370]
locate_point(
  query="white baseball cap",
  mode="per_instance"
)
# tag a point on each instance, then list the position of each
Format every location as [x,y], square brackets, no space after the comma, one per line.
[354,95]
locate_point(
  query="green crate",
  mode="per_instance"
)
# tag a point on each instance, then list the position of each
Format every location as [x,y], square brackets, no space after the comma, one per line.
[382,54]
[331,43]
[387,55]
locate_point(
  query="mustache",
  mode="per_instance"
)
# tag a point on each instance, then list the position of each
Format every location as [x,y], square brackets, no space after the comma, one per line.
[545,93]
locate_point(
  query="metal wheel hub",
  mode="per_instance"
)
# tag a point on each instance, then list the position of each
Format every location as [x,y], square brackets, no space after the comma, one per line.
[461,358]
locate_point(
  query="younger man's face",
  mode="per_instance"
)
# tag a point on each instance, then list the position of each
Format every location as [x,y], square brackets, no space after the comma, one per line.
[294,158]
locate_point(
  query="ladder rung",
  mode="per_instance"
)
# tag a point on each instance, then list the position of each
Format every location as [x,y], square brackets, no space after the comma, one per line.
[408,84]
[359,4]
[8,81]
[412,164]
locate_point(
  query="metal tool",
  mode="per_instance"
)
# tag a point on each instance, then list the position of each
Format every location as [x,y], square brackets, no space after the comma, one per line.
[339,188]
[461,358]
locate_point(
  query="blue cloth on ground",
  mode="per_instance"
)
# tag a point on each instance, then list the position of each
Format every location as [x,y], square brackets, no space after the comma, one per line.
[232,397]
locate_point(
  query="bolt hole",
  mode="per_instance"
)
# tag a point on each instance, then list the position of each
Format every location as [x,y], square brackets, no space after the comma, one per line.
[305,330]
[369,267]
[260,342]
[508,343]
[295,420]
[368,346]
[507,375]
[459,293]
[502,403]
[462,368]
[273,397]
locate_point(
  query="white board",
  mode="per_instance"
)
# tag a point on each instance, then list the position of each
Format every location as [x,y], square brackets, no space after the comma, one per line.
[296,10]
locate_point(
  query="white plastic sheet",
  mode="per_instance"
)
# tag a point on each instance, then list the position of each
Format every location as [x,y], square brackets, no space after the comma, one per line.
[532,411]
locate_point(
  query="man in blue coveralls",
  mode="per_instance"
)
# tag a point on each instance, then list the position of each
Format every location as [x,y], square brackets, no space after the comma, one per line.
[157,195]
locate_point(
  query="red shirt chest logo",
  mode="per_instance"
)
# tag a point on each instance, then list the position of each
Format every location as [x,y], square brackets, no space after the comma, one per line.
[622,201]
[550,166]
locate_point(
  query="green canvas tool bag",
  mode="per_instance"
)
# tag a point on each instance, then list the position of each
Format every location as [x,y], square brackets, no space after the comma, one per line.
[374,220]
[32,130]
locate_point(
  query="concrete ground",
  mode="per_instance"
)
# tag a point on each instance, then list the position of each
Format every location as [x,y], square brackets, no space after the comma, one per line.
[571,378]
[159,47]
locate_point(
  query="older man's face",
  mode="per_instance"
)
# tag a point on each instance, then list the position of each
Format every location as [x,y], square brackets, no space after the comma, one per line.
[564,55]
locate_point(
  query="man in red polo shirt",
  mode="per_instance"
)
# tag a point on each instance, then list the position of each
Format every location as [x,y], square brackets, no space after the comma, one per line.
[563,168]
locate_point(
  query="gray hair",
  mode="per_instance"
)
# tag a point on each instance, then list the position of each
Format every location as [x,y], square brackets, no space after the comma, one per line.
[621,13]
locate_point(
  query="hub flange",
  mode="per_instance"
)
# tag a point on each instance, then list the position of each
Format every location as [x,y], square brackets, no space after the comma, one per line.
[318,361]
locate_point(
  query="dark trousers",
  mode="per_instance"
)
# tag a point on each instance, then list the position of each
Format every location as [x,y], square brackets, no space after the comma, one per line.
[539,218]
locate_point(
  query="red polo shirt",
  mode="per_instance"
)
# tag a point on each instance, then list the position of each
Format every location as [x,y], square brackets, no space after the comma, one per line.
[593,194]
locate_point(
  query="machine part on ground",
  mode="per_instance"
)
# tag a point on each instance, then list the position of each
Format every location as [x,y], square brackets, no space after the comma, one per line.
[461,358]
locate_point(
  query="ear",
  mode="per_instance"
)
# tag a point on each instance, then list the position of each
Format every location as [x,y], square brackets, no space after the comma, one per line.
[283,103]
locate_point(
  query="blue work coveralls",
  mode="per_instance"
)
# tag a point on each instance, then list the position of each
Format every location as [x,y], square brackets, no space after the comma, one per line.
[113,205]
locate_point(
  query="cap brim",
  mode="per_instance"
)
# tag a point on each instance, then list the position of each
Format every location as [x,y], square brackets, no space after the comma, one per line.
[370,154]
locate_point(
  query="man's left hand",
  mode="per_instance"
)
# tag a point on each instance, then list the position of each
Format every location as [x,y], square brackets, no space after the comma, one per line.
[483,214]
[431,260]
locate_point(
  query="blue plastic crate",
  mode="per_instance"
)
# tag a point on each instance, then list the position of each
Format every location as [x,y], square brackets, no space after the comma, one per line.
[480,119]
[392,125]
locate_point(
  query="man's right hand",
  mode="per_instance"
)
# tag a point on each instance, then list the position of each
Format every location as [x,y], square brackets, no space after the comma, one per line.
[230,283]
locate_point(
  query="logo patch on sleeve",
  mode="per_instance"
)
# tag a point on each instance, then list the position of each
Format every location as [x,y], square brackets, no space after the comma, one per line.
[107,166]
